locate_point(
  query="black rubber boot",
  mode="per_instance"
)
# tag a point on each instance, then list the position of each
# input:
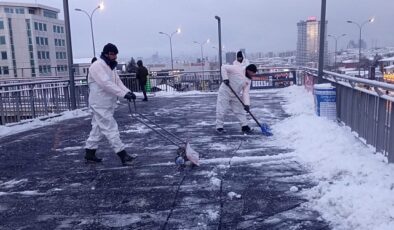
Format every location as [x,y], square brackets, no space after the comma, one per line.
[247,130]
[90,156]
[125,158]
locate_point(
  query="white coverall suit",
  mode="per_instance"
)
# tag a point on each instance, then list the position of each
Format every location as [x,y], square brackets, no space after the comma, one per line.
[226,98]
[105,86]
[244,63]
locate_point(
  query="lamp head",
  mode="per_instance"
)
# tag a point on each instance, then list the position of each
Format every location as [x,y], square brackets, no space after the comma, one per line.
[101,6]
[77,9]
[178,31]
[349,21]
[371,19]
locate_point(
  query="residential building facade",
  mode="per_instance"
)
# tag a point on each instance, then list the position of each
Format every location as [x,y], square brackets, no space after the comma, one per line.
[308,43]
[32,41]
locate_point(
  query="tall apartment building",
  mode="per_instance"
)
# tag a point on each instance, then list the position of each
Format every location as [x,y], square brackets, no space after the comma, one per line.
[32,41]
[308,43]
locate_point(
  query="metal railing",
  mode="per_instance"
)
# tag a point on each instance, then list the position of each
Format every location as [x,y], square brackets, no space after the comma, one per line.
[22,101]
[183,81]
[363,105]
[24,98]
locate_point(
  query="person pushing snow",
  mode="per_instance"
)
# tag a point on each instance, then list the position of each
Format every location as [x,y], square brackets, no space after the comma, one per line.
[239,79]
[105,86]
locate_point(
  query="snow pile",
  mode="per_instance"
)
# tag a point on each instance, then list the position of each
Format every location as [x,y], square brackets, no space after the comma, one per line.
[355,186]
[13,128]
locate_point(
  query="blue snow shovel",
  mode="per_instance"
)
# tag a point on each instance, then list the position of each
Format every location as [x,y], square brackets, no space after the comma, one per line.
[265,129]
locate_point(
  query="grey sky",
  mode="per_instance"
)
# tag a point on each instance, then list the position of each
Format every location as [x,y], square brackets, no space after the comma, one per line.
[257,25]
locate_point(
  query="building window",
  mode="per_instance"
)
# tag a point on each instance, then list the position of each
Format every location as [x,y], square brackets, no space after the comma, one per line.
[9,10]
[32,11]
[3,55]
[5,70]
[35,25]
[45,26]
[2,40]
[1,25]
[19,10]
[50,14]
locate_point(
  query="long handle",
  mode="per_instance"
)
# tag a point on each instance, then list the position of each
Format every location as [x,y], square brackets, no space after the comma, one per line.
[153,129]
[163,129]
[258,123]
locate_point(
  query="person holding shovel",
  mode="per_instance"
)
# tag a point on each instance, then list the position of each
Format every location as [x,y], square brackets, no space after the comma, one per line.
[239,79]
[105,86]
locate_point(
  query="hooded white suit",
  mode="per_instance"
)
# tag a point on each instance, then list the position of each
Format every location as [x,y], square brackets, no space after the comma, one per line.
[105,86]
[226,98]
[244,63]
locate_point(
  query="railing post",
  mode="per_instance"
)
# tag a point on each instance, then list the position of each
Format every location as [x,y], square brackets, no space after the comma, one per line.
[390,152]
[2,114]
[31,97]
[17,102]
[45,98]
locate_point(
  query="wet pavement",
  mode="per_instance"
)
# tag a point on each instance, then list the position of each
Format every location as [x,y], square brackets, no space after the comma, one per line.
[244,182]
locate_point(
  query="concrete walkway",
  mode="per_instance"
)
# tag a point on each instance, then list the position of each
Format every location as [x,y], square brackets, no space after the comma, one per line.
[244,182]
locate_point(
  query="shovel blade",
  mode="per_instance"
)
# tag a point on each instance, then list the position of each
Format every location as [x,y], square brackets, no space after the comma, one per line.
[192,155]
[266,130]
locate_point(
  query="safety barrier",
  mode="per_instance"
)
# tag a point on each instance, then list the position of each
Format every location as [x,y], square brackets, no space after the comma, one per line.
[363,105]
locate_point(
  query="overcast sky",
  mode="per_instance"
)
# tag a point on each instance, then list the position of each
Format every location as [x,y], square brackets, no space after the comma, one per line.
[256,25]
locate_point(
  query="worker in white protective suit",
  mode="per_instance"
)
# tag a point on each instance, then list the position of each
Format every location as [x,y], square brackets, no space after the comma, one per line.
[105,86]
[241,60]
[239,79]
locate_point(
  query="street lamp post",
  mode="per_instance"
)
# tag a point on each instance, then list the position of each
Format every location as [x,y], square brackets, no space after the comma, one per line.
[360,26]
[90,16]
[220,42]
[178,31]
[202,53]
[336,38]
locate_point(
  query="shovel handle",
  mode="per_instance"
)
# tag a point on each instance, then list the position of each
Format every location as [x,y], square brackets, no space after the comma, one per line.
[236,95]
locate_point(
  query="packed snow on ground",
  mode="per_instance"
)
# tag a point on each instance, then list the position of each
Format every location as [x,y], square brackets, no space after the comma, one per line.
[355,186]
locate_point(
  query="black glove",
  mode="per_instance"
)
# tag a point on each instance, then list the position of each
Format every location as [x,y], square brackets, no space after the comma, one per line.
[227,82]
[130,96]
[247,108]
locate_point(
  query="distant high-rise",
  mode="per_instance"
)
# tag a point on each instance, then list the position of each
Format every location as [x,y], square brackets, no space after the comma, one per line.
[32,41]
[308,43]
